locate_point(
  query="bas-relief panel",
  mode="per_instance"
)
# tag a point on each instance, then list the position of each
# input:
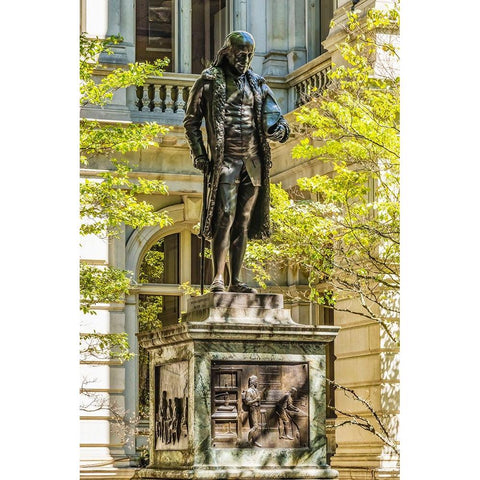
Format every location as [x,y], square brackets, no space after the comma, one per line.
[261,405]
[171,406]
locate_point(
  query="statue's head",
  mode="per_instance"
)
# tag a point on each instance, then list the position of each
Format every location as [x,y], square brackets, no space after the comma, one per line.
[237,50]
[252,381]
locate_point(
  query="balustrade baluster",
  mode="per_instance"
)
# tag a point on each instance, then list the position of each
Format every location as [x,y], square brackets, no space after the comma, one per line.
[181,100]
[326,77]
[139,102]
[145,99]
[317,83]
[298,92]
[321,80]
[151,97]
[303,91]
[169,102]
[162,94]
[174,95]
[185,95]
[157,101]
[311,85]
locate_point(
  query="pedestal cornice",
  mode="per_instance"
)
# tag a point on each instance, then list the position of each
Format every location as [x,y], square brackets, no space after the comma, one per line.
[238,317]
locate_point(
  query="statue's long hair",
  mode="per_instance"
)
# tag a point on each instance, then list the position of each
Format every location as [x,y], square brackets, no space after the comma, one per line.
[227,46]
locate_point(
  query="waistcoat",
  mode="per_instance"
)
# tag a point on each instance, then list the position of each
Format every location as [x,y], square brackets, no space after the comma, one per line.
[241,139]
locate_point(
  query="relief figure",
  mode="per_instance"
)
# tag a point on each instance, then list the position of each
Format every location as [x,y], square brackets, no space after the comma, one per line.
[283,407]
[252,405]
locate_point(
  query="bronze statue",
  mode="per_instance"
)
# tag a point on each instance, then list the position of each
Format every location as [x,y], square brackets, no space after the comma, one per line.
[240,114]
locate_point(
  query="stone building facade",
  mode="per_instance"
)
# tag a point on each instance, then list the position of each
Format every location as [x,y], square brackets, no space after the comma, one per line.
[295,48]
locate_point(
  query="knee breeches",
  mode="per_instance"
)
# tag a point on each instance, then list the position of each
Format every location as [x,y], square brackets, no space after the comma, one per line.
[234,204]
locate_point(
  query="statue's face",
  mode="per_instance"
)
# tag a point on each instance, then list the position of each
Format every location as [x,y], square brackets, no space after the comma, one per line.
[240,56]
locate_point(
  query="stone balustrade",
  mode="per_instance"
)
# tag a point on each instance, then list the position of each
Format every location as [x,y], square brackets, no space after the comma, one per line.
[165,94]
[163,99]
[310,79]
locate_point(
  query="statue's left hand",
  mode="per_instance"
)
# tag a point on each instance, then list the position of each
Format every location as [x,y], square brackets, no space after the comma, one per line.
[278,133]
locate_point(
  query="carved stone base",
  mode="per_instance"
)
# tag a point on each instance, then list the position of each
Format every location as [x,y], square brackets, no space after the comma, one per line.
[247,473]
[238,391]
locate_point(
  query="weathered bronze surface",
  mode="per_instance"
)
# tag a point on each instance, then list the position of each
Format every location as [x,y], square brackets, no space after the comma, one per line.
[171,406]
[263,405]
[240,115]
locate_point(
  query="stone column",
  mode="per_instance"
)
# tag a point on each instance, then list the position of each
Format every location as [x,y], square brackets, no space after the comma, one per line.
[119,55]
[275,62]
[120,20]
[131,367]
[240,15]
[183,42]
[120,322]
[127,28]
[297,52]
[313,29]
[258,28]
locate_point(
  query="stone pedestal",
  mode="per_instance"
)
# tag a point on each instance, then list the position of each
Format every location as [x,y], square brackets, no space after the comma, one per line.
[237,391]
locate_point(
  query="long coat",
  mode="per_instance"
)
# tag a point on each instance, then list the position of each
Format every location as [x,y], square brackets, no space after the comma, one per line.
[207,101]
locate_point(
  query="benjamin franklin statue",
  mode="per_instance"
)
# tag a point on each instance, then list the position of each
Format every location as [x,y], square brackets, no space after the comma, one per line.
[240,114]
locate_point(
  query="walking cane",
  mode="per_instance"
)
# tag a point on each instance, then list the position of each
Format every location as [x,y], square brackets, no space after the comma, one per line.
[202,233]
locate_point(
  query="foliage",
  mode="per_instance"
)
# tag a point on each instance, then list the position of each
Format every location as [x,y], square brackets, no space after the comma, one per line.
[98,138]
[103,346]
[148,312]
[344,234]
[187,289]
[108,204]
[101,285]
[100,93]
[152,267]
[110,199]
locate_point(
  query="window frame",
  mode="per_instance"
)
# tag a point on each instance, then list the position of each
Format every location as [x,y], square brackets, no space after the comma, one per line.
[141,48]
[181,53]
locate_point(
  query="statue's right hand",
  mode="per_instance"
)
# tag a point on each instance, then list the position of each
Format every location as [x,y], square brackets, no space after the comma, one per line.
[202,163]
